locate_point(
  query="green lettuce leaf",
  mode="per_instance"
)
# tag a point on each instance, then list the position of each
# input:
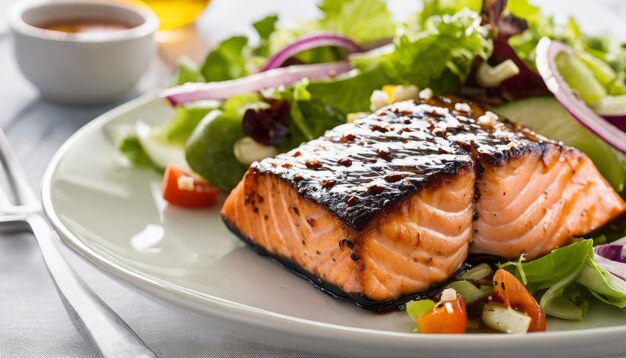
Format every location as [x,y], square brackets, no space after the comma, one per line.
[359,86]
[185,121]
[445,7]
[187,71]
[265,27]
[132,149]
[229,60]
[439,55]
[604,56]
[361,20]
[567,278]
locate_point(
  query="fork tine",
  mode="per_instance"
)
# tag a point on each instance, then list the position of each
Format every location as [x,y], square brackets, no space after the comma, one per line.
[14,173]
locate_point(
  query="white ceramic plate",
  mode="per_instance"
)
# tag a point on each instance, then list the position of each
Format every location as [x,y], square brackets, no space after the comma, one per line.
[112,215]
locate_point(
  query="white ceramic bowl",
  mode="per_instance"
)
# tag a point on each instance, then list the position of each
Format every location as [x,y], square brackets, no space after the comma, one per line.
[84,68]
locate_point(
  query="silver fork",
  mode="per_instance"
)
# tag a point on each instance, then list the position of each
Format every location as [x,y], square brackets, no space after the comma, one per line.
[111,336]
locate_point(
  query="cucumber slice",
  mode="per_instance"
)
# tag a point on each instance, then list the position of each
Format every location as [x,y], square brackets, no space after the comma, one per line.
[505,319]
[160,152]
[547,117]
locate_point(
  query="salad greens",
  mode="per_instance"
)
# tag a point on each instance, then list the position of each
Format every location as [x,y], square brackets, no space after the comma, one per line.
[602,56]
[567,278]
[437,54]
[228,61]
[436,48]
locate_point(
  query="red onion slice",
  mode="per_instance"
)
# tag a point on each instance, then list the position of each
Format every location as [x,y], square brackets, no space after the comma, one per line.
[547,50]
[191,92]
[617,121]
[612,257]
[308,43]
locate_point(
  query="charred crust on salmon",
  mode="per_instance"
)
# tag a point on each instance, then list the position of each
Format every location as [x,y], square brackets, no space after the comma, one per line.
[362,165]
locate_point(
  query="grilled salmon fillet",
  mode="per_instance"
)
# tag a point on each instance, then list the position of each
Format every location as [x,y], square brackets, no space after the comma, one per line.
[385,209]
[374,210]
[533,194]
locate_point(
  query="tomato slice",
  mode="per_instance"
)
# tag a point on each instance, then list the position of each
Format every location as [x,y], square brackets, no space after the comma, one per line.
[194,194]
[510,291]
[445,317]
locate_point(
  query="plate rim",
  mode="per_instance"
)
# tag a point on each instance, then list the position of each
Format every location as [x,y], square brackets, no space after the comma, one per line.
[259,318]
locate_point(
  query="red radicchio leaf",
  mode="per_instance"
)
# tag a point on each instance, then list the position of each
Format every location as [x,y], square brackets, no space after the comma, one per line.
[527,82]
[268,126]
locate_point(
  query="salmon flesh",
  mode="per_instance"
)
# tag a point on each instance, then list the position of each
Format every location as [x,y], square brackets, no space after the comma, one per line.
[388,208]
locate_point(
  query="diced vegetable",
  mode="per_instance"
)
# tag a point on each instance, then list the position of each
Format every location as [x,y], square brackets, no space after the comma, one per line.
[445,317]
[467,289]
[511,292]
[505,319]
[416,309]
[477,272]
[182,189]
[493,76]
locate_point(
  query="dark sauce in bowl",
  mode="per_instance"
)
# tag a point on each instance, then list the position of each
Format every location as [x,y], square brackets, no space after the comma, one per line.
[77,26]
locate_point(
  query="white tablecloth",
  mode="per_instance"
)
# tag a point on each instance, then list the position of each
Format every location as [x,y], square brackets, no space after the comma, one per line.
[33,322]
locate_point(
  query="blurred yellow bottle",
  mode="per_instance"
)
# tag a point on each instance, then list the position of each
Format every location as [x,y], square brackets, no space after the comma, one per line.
[175,13]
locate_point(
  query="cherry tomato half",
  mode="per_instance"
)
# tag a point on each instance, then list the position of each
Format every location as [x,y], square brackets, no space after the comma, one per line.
[445,317]
[198,196]
[510,291]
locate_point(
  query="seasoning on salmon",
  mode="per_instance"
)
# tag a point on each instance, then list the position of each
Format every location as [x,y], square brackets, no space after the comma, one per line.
[391,213]
[395,222]
[534,194]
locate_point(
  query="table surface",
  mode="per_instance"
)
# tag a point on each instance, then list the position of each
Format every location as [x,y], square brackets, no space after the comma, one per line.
[33,322]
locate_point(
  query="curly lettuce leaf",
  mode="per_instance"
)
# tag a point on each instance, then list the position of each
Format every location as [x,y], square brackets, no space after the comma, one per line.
[361,20]
[567,278]
[439,56]
[445,7]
